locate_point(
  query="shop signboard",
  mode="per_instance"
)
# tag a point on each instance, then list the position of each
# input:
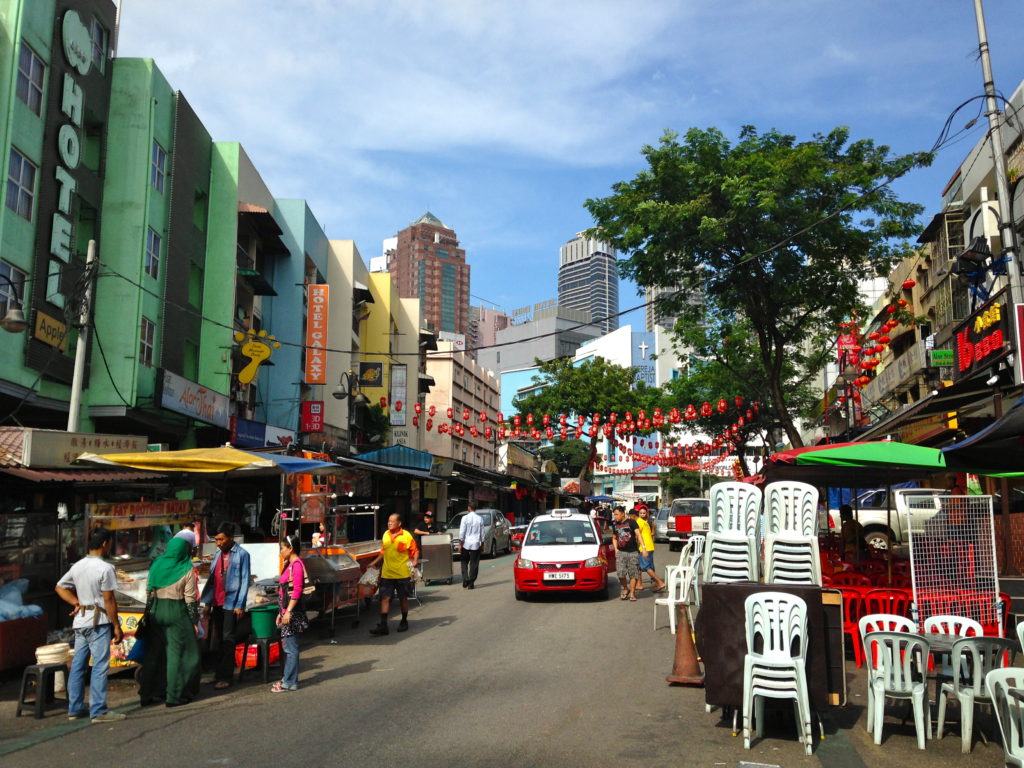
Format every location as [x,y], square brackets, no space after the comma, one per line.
[371,374]
[139,514]
[441,467]
[399,394]
[182,396]
[277,436]
[985,338]
[44,448]
[940,358]
[317,302]
[248,434]
[312,416]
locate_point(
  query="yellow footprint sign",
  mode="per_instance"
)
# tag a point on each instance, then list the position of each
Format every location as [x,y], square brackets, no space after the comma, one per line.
[258,349]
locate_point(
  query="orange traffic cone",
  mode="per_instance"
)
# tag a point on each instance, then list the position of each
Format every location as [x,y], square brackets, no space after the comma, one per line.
[685,669]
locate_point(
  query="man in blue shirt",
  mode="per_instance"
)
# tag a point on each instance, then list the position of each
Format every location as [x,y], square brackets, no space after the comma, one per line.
[471,540]
[226,591]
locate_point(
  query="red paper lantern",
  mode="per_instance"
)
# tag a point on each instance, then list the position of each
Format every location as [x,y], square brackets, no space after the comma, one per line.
[739,401]
[722,406]
[465,414]
[908,284]
[549,432]
[473,431]
[415,421]
[529,419]
[418,409]
[501,417]
[750,415]
[705,410]
[890,309]
[487,433]
[398,405]
[451,413]
[383,402]
[502,433]
[483,415]
[430,424]
[431,411]
[546,419]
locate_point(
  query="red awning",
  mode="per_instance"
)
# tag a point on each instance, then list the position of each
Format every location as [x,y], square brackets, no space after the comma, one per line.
[80,475]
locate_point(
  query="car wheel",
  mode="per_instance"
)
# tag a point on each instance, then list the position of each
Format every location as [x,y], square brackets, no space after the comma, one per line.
[877,540]
[493,552]
[520,595]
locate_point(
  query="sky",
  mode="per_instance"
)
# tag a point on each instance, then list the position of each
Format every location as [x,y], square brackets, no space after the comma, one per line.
[503,118]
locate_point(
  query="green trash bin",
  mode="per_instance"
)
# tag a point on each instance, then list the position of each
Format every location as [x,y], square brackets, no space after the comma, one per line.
[264,620]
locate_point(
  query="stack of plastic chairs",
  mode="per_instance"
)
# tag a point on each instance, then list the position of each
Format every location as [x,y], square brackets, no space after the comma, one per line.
[791,545]
[731,546]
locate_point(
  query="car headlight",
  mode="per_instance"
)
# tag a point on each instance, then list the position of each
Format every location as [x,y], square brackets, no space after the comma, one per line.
[521,563]
[594,562]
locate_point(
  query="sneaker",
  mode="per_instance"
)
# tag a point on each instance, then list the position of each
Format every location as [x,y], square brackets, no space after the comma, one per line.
[403,626]
[110,717]
[380,630]
[79,716]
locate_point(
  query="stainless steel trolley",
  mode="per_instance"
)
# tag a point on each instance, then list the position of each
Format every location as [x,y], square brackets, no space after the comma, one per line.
[436,552]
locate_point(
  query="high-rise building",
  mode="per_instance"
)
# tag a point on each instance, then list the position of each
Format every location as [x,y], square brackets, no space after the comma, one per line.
[484,324]
[654,314]
[588,279]
[427,263]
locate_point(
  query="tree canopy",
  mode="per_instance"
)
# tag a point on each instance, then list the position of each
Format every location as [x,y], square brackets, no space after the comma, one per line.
[767,239]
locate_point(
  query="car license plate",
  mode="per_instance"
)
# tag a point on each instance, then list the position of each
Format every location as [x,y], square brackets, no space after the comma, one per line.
[558,576]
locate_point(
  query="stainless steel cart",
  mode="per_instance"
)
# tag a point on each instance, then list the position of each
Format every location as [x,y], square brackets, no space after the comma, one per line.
[436,552]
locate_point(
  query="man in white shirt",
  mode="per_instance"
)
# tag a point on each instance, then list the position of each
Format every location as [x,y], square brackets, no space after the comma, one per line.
[471,541]
[89,588]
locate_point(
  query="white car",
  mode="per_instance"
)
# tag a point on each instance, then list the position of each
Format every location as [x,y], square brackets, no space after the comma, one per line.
[563,551]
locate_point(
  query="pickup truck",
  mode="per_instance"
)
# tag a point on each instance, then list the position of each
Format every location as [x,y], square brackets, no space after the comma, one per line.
[882,528]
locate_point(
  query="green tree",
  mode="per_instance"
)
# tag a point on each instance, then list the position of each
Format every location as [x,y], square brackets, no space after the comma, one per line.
[593,386]
[569,455]
[767,238]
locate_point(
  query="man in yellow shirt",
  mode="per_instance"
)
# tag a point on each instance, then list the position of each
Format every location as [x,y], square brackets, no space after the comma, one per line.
[643,521]
[399,553]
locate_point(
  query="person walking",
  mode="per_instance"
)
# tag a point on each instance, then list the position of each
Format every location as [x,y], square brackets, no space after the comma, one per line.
[626,540]
[399,554]
[646,564]
[292,618]
[171,664]
[88,587]
[225,592]
[471,541]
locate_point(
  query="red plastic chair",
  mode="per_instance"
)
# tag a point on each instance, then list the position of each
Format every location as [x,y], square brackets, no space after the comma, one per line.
[893,600]
[848,579]
[853,609]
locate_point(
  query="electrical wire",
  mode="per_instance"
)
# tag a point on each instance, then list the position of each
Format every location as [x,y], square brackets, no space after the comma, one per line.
[106,366]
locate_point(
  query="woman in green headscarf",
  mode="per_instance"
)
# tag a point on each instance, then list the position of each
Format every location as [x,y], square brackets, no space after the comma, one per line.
[170,667]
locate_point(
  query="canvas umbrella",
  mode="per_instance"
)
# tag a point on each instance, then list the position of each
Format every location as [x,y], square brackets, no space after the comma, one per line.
[211,460]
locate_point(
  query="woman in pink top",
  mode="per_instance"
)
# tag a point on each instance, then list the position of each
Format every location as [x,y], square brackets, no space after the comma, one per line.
[292,619]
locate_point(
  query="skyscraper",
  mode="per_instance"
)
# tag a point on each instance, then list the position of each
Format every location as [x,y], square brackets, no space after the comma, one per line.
[427,263]
[588,279]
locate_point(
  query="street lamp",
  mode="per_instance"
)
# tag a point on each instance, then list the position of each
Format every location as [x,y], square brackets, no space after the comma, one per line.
[14,320]
[348,390]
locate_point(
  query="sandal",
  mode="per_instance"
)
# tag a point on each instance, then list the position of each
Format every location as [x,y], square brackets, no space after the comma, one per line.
[220,685]
[632,599]
[660,590]
[278,687]
[624,595]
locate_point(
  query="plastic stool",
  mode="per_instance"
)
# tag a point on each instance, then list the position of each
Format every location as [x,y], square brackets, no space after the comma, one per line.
[262,654]
[44,676]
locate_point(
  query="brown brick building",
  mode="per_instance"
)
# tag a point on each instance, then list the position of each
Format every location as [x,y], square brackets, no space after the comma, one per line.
[429,265]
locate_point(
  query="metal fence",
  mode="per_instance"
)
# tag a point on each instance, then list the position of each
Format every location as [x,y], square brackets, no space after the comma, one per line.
[953,559]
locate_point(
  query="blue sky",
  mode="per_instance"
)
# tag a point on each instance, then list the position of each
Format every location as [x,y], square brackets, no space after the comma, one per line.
[502,118]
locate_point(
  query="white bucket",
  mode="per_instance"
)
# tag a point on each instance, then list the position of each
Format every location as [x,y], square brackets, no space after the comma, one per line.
[58,653]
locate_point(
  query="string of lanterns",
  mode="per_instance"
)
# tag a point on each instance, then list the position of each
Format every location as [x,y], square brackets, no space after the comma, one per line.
[863,351]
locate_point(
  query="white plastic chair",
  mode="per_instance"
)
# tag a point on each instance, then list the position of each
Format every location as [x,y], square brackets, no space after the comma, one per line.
[729,557]
[1009,710]
[775,665]
[693,549]
[884,622]
[734,507]
[791,506]
[953,625]
[1020,634]
[973,658]
[676,595]
[791,559]
[890,661]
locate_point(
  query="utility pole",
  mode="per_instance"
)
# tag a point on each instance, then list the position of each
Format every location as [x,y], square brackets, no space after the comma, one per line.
[1007,232]
[82,344]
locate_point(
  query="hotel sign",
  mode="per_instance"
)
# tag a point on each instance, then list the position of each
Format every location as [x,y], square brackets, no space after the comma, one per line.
[182,396]
[985,338]
[317,302]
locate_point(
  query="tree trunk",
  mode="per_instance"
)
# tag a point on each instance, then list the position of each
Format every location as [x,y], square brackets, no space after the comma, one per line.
[784,416]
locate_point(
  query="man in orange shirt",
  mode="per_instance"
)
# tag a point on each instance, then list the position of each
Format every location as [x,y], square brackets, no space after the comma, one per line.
[400,554]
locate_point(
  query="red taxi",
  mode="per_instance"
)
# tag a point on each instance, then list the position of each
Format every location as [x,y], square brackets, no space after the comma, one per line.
[563,551]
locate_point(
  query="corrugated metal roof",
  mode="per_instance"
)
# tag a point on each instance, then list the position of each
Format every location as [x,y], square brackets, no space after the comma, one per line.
[81,475]
[10,446]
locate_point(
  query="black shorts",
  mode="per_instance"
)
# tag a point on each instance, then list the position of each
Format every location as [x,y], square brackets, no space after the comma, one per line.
[400,588]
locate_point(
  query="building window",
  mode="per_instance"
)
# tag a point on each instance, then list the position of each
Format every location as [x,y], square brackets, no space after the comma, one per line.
[21,184]
[100,38]
[9,295]
[158,171]
[147,339]
[30,78]
[153,241]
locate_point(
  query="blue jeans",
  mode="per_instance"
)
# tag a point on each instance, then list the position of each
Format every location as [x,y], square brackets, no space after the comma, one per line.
[291,662]
[93,643]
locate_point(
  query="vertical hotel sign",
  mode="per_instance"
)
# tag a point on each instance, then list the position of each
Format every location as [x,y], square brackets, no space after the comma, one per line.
[317,300]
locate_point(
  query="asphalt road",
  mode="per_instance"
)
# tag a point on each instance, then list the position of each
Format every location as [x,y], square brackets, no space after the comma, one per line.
[480,680]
